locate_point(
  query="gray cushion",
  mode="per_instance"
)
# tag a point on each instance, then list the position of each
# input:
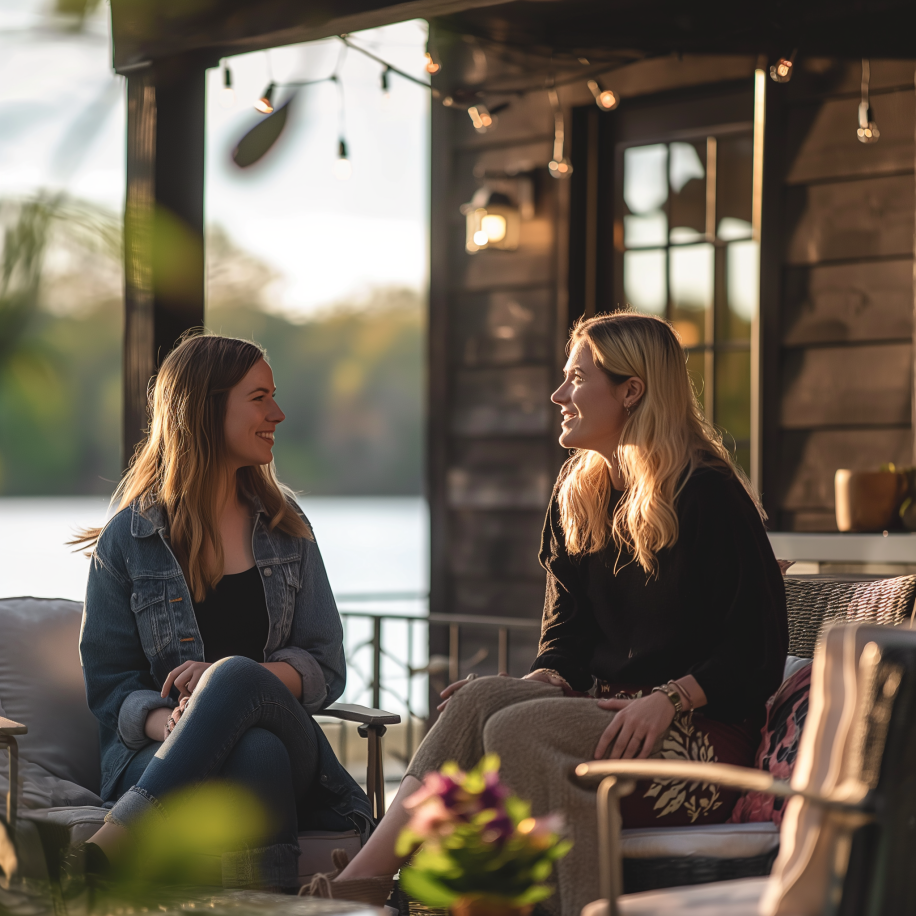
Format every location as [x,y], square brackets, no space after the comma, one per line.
[41,685]
[725,841]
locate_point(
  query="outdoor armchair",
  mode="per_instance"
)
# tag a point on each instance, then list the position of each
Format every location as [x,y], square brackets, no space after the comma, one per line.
[846,839]
[51,737]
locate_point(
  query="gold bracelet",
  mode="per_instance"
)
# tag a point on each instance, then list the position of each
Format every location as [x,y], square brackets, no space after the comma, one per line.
[684,692]
[672,695]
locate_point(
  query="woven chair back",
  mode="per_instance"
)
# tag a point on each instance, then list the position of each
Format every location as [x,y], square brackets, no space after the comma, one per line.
[814,603]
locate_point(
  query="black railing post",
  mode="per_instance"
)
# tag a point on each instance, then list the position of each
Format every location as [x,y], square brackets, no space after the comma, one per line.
[377,662]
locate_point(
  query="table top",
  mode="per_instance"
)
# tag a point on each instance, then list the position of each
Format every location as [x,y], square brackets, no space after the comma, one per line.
[31,898]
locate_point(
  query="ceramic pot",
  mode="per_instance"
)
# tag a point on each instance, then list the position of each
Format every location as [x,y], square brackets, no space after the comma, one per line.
[487,906]
[868,500]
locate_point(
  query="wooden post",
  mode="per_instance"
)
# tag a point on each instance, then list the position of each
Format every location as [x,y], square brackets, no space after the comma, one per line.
[163,223]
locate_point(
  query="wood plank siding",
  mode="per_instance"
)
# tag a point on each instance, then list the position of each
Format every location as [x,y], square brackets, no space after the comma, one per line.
[840,375]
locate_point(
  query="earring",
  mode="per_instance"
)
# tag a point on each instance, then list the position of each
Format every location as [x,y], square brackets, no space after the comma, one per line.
[628,408]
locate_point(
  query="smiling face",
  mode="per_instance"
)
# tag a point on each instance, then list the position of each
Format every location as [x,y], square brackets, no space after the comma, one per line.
[252,416]
[593,407]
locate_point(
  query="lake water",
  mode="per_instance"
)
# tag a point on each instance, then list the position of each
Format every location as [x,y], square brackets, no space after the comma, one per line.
[371,546]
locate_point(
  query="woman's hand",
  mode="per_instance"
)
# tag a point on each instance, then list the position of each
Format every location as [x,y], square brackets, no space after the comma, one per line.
[452,689]
[184,678]
[636,727]
[175,715]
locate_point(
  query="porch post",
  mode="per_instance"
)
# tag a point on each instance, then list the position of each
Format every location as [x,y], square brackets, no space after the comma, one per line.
[163,223]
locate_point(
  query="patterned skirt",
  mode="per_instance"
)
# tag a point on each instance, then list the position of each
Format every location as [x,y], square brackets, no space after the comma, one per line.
[692,736]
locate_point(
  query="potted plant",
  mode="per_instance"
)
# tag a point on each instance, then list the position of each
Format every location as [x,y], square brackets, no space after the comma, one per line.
[480,851]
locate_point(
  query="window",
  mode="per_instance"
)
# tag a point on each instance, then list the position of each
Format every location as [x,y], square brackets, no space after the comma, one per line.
[684,250]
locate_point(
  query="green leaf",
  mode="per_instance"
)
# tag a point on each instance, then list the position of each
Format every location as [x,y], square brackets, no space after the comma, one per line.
[426,888]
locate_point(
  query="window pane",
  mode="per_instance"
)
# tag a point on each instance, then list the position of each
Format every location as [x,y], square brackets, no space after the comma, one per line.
[687,175]
[644,281]
[650,229]
[734,184]
[742,289]
[733,394]
[691,291]
[696,369]
[645,180]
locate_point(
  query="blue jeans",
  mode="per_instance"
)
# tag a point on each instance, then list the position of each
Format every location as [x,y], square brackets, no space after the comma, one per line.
[241,725]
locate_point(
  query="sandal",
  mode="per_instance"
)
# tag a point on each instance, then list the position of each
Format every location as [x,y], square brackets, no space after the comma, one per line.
[374,891]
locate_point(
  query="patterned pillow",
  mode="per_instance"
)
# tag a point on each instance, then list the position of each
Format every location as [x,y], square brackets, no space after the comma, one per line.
[786,713]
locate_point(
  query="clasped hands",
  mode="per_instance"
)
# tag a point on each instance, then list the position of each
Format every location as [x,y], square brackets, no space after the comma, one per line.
[633,731]
[184,678]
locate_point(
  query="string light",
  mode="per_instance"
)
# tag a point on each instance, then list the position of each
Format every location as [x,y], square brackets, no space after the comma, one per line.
[432,64]
[265,104]
[481,117]
[227,93]
[559,166]
[781,71]
[342,168]
[605,99]
[868,131]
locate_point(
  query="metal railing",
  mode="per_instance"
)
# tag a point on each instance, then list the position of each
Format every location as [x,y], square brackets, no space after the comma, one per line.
[388,659]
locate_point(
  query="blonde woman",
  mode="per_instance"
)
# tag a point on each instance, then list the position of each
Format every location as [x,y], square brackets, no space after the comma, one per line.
[210,635]
[664,627]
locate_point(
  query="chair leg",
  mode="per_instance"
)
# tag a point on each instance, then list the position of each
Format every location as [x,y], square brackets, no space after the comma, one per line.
[375,774]
[12,796]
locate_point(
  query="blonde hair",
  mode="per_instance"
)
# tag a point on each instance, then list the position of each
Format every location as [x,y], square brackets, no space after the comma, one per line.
[665,438]
[179,466]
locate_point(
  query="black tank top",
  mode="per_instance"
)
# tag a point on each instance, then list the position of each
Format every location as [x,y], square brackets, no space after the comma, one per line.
[233,619]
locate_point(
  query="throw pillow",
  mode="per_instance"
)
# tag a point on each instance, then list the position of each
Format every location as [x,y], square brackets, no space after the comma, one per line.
[786,713]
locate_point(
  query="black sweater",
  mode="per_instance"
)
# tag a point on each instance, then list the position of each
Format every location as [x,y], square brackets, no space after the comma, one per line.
[716,608]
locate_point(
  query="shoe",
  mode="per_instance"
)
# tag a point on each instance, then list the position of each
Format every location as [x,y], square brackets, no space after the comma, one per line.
[374,891]
[84,869]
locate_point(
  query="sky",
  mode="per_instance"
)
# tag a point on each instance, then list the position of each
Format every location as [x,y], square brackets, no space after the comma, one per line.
[62,126]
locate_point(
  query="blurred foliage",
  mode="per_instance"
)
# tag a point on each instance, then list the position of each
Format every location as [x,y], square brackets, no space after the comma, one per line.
[350,379]
[183,850]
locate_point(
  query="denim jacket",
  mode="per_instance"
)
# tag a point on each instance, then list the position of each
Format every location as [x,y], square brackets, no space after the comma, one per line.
[139,624]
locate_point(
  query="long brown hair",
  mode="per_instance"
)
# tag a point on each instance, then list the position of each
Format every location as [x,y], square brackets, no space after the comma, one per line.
[179,466]
[665,438]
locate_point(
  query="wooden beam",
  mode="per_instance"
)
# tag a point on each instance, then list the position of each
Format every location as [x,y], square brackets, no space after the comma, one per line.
[138,364]
[163,224]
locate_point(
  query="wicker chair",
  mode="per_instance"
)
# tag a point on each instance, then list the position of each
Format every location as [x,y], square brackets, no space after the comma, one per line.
[847,833]
[675,856]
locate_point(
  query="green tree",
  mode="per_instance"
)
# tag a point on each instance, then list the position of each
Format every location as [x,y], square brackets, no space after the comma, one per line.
[351,380]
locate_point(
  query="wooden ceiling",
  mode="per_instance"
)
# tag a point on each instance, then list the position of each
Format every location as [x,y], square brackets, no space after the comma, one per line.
[146,30]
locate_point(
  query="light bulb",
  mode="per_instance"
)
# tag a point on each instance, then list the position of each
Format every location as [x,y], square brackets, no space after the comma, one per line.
[493,225]
[227,93]
[781,71]
[868,131]
[481,118]
[560,168]
[342,168]
[431,65]
[605,99]
[265,104]
[481,238]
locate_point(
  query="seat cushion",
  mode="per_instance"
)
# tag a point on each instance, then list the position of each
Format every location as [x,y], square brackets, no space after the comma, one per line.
[82,821]
[41,685]
[728,841]
[724,898]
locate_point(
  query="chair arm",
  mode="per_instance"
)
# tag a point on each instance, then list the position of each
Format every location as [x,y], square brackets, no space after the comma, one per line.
[351,712]
[9,727]
[721,774]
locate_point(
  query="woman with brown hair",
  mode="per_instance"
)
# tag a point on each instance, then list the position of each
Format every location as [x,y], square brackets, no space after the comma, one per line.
[664,627]
[210,634]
